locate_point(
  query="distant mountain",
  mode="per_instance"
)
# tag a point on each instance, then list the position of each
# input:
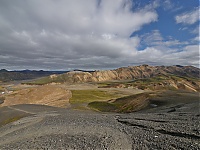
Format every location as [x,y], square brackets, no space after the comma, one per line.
[176,77]
[6,75]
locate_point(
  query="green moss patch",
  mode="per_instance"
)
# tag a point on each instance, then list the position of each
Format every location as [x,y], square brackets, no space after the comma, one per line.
[103,106]
[86,96]
[11,119]
[46,80]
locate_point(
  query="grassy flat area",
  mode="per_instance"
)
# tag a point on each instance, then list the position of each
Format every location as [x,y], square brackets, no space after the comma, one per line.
[10,115]
[40,81]
[9,120]
[87,96]
[46,80]
[103,106]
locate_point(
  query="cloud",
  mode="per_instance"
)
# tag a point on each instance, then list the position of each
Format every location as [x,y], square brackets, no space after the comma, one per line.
[189,53]
[156,40]
[189,18]
[79,17]
[167,51]
[69,34]
[167,4]
[196,39]
[196,30]
[188,56]
[89,34]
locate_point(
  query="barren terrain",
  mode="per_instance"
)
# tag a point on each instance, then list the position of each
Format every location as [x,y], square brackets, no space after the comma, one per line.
[101,115]
[46,95]
[171,121]
[44,127]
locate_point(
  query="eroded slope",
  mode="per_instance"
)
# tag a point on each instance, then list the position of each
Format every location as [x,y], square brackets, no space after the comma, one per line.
[45,95]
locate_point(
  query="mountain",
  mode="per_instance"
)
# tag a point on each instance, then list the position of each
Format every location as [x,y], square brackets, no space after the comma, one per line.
[132,72]
[142,77]
[6,75]
[126,73]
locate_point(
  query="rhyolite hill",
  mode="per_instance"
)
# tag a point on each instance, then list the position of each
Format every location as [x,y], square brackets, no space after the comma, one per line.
[130,73]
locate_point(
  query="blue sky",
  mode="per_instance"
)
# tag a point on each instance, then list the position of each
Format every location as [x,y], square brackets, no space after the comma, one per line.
[98,34]
[167,24]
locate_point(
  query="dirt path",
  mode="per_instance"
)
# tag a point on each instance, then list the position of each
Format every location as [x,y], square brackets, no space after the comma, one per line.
[10,107]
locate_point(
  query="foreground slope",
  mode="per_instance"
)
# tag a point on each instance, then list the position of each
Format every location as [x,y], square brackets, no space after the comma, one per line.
[42,127]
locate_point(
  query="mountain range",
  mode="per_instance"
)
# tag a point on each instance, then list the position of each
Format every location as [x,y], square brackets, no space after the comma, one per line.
[141,77]
[130,73]
[6,75]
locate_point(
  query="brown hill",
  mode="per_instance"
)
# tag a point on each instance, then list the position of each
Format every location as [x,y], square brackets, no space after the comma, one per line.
[45,95]
[133,72]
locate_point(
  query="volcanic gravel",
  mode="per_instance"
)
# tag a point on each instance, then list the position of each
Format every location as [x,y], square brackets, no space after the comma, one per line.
[55,128]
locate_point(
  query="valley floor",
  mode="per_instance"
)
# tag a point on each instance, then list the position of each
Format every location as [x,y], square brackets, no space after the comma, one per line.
[171,121]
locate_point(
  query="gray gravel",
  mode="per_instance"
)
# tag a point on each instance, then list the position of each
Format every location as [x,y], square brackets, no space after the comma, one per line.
[53,128]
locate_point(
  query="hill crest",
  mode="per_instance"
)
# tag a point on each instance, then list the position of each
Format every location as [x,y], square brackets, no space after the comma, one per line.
[132,72]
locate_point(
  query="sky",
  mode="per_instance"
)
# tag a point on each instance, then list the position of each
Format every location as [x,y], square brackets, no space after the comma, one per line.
[98,34]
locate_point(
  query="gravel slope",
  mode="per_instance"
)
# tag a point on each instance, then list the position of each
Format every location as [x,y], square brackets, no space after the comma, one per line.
[54,128]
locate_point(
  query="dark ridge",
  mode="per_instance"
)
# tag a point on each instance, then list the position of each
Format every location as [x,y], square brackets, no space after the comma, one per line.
[83,70]
[3,70]
[171,110]
[160,121]
[131,124]
[179,66]
[162,131]
[185,135]
[25,74]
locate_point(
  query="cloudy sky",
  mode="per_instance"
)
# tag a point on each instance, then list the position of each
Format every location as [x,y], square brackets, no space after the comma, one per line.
[98,34]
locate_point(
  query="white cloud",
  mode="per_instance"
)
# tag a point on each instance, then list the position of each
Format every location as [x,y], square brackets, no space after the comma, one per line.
[196,39]
[89,34]
[188,56]
[155,39]
[168,52]
[69,34]
[76,17]
[167,4]
[182,29]
[188,17]
[196,30]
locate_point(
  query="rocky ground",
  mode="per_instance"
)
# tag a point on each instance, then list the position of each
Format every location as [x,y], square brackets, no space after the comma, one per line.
[44,127]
